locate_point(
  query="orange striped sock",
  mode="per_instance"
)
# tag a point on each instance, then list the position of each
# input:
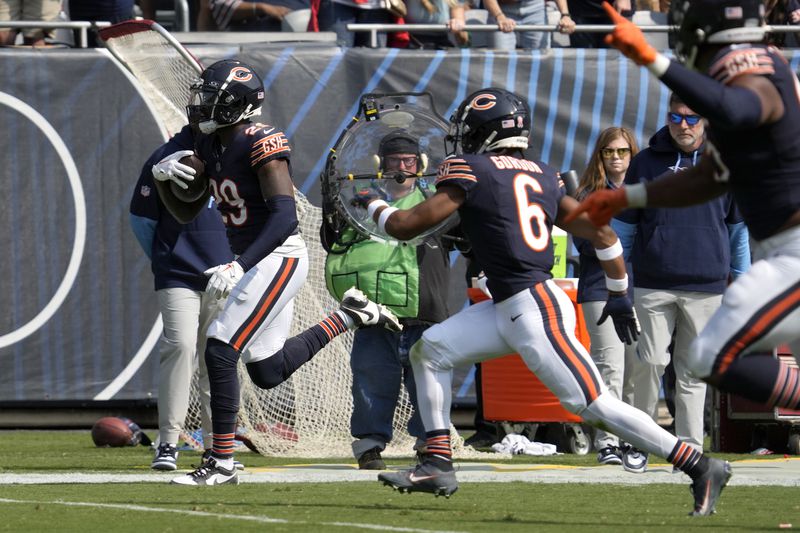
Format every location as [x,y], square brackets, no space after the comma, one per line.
[786,392]
[437,445]
[685,457]
[335,324]
[223,445]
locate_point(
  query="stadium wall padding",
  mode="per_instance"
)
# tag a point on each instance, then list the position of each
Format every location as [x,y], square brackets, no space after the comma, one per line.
[77,293]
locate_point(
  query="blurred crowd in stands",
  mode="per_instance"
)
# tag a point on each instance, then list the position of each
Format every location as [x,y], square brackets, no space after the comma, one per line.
[333,16]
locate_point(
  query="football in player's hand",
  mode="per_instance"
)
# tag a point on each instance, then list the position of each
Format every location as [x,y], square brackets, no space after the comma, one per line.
[197,187]
[111,431]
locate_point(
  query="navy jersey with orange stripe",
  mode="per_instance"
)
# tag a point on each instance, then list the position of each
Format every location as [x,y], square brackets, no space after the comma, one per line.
[508,216]
[764,163]
[234,178]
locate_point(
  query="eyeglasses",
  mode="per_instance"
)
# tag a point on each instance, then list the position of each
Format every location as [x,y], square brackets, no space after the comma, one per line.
[394,160]
[677,118]
[608,153]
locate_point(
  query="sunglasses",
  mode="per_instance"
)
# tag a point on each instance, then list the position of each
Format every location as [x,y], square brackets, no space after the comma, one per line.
[608,153]
[393,160]
[677,118]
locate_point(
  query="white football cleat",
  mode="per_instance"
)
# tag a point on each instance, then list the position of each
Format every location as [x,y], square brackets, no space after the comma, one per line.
[209,473]
[365,312]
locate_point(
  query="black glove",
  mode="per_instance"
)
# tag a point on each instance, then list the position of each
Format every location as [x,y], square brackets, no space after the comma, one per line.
[363,197]
[622,313]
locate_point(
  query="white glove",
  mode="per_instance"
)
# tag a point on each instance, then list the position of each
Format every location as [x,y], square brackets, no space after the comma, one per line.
[223,279]
[170,169]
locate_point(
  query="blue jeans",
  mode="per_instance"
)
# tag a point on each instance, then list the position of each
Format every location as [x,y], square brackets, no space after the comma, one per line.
[380,364]
[335,17]
[527,12]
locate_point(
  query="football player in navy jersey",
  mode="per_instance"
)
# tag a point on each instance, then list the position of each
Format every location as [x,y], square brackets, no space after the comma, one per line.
[248,165]
[508,206]
[751,98]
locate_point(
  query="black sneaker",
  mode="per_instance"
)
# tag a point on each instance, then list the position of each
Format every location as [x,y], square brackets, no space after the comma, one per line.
[371,460]
[610,455]
[426,477]
[207,455]
[634,460]
[166,457]
[209,473]
[481,439]
[707,487]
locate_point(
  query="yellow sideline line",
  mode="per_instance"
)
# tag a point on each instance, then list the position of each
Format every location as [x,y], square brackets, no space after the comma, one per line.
[261,519]
[495,467]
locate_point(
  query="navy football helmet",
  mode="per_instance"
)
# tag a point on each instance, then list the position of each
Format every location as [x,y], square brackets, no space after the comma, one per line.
[715,22]
[227,92]
[489,119]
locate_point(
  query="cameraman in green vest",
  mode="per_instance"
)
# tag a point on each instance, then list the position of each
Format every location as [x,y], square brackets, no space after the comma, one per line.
[410,280]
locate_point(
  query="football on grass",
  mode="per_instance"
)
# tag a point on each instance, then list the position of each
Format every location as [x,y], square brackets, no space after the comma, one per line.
[197,187]
[111,431]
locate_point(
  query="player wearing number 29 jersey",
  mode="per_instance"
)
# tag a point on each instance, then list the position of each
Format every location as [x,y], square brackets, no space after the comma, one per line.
[234,178]
[248,164]
[508,206]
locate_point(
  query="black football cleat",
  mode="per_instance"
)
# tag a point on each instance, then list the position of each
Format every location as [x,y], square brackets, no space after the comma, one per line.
[425,477]
[707,487]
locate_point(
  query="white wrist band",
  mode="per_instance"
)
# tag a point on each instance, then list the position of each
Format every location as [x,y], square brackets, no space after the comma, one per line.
[374,205]
[659,66]
[384,216]
[612,252]
[636,195]
[617,285]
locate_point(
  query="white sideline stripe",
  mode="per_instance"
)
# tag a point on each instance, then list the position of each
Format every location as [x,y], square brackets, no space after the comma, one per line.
[262,519]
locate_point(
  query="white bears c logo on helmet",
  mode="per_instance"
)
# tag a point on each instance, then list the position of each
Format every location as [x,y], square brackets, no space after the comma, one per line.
[488,102]
[240,74]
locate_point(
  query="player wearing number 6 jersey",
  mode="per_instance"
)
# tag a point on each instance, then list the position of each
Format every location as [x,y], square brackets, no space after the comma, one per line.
[248,164]
[508,206]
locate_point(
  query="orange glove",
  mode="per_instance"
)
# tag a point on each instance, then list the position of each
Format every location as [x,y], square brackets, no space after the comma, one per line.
[629,39]
[601,206]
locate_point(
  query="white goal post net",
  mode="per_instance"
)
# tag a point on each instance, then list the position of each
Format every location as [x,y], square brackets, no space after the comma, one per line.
[308,415]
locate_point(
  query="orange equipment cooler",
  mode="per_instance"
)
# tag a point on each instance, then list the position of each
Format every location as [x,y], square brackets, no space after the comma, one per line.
[511,392]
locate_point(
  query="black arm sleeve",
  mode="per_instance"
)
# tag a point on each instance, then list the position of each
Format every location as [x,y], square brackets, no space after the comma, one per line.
[280,224]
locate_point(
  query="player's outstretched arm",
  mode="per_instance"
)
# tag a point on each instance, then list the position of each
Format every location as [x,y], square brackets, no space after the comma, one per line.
[696,185]
[405,224]
[748,101]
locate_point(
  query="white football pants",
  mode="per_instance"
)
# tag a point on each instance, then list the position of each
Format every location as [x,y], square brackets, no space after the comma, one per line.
[257,317]
[759,311]
[539,325]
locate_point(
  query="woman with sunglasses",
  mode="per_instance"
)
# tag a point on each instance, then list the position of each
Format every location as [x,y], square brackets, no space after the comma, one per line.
[606,169]
[682,260]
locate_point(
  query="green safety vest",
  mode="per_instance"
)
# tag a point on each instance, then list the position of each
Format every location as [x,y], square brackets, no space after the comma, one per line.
[387,273]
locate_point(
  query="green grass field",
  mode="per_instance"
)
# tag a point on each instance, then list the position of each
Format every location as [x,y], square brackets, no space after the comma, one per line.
[351,506]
